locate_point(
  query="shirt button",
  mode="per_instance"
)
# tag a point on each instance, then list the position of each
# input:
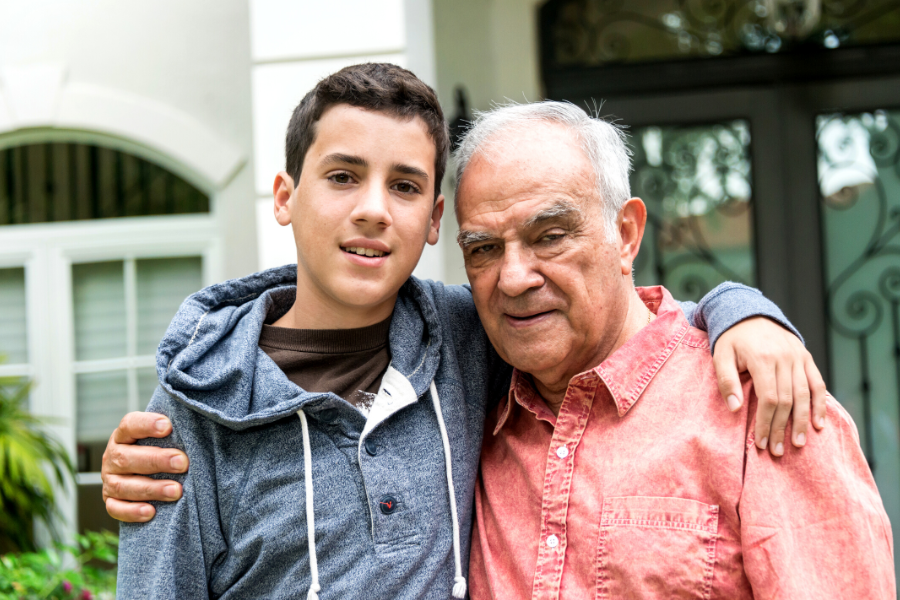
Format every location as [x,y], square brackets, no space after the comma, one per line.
[562,452]
[327,415]
[371,448]
[552,541]
[388,504]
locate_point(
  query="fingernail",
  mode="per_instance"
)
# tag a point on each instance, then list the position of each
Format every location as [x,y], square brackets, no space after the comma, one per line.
[170,491]
[733,402]
[779,449]
[821,421]
[161,425]
[763,443]
[178,463]
[146,511]
[801,439]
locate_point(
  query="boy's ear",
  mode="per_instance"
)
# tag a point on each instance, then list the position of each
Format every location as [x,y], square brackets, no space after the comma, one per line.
[435,226]
[283,191]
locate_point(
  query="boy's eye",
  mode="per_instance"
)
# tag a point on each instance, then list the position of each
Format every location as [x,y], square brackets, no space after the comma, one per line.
[341,178]
[406,187]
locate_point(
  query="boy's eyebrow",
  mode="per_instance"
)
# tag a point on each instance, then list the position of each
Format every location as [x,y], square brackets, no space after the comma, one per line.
[345,159]
[409,170]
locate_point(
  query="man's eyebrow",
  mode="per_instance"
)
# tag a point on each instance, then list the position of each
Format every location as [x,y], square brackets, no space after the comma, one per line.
[562,209]
[345,159]
[466,238]
[409,170]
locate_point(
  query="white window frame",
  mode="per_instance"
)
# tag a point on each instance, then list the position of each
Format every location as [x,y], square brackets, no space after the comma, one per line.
[47,252]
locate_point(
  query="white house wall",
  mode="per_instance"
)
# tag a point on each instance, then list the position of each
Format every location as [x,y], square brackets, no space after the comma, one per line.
[172,75]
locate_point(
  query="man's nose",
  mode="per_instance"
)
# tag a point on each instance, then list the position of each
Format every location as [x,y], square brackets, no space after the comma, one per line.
[518,273]
[372,207]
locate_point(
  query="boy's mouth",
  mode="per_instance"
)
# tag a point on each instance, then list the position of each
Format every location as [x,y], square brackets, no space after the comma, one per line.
[364,251]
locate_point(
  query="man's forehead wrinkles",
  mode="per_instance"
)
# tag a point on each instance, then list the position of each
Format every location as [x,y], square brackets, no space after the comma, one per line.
[561,209]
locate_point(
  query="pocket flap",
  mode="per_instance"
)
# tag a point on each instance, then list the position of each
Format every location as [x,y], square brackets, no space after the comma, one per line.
[650,511]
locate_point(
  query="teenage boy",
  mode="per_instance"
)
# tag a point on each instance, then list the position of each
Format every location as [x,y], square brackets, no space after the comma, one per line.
[343,388]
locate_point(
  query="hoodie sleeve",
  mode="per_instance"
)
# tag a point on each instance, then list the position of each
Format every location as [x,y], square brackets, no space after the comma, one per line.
[171,556]
[727,305]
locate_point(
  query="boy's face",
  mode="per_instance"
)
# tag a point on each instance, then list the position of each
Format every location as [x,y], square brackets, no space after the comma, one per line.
[361,213]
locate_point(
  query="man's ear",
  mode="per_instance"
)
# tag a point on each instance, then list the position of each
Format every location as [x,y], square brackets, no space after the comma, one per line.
[283,192]
[435,226]
[632,221]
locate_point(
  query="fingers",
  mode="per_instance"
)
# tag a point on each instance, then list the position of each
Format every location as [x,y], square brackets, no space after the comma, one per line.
[818,391]
[139,425]
[727,376]
[136,487]
[123,459]
[130,512]
[785,391]
[800,423]
[766,386]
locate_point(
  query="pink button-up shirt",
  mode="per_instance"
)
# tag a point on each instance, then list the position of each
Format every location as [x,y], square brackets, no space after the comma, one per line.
[646,486]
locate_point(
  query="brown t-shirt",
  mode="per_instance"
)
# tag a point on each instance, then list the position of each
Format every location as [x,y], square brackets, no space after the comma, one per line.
[348,362]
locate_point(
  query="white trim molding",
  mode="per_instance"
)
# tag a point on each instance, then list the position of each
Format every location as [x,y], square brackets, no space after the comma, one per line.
[37,103]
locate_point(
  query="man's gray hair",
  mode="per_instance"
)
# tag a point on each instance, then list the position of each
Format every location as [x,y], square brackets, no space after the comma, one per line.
[602,142]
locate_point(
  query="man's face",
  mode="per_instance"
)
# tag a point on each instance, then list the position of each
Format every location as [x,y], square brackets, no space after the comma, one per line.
[363,209]
[550,288]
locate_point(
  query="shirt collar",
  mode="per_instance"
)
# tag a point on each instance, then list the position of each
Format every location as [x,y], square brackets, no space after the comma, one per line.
[626,372]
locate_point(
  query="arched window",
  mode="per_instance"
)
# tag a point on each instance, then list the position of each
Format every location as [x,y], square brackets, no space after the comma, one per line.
[46,183]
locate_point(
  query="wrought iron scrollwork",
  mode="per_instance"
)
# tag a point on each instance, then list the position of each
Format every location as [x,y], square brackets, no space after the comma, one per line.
[866,288]
[690,177]
[593,32]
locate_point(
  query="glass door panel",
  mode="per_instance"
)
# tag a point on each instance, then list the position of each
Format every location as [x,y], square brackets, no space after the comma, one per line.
[695,181]
[859,186]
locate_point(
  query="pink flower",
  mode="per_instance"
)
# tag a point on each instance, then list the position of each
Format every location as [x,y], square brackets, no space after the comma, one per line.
[67,587]
[86,595]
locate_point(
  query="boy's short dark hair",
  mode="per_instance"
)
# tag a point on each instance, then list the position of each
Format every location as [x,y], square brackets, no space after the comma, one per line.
[380,87]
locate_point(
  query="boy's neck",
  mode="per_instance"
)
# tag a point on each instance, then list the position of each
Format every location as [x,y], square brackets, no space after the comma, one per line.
[312,311]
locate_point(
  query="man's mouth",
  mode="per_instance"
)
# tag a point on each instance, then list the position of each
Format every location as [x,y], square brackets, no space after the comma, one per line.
[524,320]
[364,251]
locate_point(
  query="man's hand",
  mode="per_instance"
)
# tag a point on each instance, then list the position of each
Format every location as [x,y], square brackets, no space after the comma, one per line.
[126,493]
[784,377]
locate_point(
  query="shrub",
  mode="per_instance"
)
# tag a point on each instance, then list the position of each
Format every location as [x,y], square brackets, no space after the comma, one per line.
[27,454]
[85,571]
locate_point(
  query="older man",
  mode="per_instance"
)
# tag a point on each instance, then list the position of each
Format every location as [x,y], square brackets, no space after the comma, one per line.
[612,470]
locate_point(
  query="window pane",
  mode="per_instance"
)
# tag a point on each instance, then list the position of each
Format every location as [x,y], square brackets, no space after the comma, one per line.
[695,181]
[102,400]
[147,382]
[162,284]
[859,184]
[99,299]
[13,338]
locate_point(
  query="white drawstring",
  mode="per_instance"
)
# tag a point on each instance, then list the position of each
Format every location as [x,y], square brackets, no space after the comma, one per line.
[459,585]
[314,588]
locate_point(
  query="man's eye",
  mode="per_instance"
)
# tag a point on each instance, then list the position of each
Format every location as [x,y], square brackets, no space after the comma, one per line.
[484,249]
[341,178]
[551,237]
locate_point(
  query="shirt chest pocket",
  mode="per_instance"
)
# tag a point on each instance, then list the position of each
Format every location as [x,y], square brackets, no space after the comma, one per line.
[656,548]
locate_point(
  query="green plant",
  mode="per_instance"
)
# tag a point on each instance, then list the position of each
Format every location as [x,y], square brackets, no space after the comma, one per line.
[63,572]
[31,460]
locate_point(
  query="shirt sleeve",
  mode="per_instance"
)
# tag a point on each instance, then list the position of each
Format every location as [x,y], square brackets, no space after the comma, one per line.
[728,304]
[167,558]
[812,522]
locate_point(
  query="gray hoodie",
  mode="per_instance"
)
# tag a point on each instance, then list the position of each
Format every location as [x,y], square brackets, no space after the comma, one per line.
[381,523]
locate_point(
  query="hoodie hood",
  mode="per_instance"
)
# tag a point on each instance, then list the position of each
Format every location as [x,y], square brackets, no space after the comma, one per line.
[210,360]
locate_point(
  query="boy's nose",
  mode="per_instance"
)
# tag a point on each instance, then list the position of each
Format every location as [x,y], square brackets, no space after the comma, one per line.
[373,207]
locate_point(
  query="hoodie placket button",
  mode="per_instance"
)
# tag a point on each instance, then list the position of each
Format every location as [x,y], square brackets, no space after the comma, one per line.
[388,504]
[371,448]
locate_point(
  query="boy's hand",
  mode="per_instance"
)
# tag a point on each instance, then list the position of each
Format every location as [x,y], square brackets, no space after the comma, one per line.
[784,375]
[126,493]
